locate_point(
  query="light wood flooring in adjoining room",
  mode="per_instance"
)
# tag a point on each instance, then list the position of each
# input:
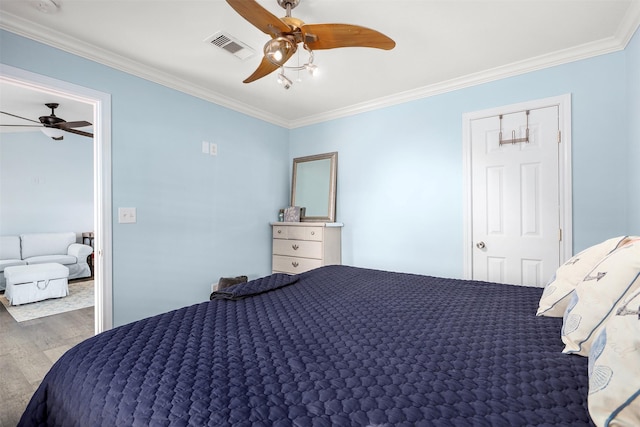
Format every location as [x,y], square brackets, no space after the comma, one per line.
[29,349]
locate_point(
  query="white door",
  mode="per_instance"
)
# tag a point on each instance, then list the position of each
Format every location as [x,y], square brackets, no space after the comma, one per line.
[515,197]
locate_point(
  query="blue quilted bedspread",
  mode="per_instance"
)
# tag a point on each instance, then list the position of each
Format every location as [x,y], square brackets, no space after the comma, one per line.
[338,346]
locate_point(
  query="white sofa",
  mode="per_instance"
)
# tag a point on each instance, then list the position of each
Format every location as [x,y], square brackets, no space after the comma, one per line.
[40,248]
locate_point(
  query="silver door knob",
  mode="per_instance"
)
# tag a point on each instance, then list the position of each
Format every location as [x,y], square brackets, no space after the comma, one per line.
[480,245]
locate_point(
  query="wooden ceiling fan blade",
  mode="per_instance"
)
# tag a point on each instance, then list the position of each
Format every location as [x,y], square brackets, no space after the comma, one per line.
[78,124]
[78,132]
[330,36]
[19,117]
[266,67]
[259,17]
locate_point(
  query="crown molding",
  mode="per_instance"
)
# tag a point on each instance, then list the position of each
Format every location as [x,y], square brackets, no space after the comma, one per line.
[514,69]
[629,24]
[626,30]
[85,50]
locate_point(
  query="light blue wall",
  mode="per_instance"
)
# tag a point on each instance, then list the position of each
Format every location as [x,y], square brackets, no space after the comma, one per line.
[45,185]
[633,117]
[400,168]
[199,217]
[399,177]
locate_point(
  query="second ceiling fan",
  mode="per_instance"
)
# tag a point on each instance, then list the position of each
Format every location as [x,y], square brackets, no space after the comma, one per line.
[287,32]
[52,125]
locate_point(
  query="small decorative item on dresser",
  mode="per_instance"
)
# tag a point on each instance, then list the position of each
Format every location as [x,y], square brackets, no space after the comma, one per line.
[281,215]
[293,214]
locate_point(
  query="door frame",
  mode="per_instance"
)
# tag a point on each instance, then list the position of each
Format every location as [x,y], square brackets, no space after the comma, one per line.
[102,217]
[564,173]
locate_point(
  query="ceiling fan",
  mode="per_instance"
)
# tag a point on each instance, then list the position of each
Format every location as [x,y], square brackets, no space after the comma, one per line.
[51,125]
[287,32]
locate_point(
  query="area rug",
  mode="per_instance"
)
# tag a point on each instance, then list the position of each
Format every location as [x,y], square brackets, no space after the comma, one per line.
[80,296]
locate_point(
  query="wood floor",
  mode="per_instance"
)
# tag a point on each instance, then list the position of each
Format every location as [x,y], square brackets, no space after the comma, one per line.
[29,349]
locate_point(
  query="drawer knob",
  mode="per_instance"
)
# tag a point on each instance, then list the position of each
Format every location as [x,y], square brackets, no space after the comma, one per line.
[279,231]
[295,264]
[295,247]
[313,233]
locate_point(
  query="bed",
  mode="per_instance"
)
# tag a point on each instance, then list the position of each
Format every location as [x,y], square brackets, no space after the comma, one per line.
[336,346]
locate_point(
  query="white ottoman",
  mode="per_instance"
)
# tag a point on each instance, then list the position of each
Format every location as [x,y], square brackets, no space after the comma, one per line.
[36,282]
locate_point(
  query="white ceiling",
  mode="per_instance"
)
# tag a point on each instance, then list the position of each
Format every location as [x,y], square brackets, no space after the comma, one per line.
[441,45]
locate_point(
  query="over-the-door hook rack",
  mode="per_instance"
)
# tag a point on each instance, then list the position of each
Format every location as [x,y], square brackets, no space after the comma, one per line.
[513,139]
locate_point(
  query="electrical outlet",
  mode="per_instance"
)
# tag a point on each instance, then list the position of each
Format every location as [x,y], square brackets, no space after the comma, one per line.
[213,149]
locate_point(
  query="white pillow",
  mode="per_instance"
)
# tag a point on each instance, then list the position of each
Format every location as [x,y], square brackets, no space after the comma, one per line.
[594,299]
[614,368]
[557,292]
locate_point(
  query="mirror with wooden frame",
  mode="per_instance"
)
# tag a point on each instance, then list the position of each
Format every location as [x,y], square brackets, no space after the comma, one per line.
[313,186]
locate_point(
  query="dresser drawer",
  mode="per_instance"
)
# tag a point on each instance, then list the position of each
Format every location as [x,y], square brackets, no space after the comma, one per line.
[297,232]
[280,232]
[294,265]
[305,233]
[297,248]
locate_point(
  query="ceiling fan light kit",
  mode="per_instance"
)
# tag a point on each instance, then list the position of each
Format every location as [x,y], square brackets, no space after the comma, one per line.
[53,133]
[279,50]
[287,32]
[308,66]
[284,80]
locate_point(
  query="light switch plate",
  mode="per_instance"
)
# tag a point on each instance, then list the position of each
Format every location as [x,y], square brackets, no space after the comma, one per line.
[127,215]
[205,147]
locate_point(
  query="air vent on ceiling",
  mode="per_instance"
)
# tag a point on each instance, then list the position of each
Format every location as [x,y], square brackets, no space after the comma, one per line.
[228,43]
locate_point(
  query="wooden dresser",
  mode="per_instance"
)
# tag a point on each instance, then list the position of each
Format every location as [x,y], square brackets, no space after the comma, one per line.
[303,246]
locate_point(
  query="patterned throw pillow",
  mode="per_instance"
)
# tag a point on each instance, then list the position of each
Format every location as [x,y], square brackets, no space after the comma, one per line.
[614,368]
[596,297]
[557,292]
